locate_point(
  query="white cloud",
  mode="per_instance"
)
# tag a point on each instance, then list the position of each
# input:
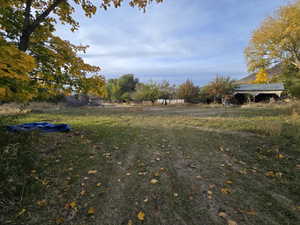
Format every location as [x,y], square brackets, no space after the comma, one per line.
[180,37]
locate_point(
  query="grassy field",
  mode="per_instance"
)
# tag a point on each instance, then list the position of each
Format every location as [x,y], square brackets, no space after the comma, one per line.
[176,165]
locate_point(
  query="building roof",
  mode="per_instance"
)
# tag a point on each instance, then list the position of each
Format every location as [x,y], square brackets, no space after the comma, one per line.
[260,87]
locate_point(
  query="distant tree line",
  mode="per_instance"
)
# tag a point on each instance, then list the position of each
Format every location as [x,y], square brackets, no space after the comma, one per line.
[127,88]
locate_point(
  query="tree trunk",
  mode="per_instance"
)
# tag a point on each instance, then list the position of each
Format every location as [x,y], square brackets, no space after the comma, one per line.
[24,41]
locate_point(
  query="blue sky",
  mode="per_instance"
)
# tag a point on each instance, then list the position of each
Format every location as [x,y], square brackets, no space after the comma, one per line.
[175,40]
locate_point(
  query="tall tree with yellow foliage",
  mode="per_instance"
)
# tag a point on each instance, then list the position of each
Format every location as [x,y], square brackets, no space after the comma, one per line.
[276,40]
[27,29]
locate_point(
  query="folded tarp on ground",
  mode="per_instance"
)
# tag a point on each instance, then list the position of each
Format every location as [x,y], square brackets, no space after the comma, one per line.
[42,126]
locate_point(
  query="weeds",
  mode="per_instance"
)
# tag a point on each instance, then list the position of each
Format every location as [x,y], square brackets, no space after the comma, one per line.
[17,160]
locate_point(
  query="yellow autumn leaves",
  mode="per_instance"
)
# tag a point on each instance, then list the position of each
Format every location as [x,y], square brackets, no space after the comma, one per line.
[140,216]
[73,205]
[14,63]
[91,211]
[225,216]
[261,77]
[14,68]
[276,40]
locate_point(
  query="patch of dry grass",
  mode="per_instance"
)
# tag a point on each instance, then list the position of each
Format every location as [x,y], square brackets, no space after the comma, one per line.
[15,108]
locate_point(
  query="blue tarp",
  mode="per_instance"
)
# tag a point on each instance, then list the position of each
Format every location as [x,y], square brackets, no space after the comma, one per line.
[41,126]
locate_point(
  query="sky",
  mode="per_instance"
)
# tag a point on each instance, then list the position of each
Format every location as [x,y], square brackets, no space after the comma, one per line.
[175,40]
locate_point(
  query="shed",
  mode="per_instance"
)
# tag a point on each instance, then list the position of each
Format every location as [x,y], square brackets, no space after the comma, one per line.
[258,92]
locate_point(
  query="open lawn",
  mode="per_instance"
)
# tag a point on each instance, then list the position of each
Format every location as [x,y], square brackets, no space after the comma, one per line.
[174,165]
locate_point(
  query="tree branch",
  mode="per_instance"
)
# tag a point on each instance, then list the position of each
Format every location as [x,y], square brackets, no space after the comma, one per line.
[27,14]
[46,13]
[28,28]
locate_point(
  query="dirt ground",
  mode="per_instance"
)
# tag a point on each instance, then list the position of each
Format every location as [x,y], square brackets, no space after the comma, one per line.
[183,165]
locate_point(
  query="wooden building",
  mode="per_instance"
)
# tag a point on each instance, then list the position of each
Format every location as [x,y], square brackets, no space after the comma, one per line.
[258,92]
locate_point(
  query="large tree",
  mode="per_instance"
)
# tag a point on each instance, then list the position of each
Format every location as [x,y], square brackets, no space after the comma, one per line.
[166,91]
[147,92]
[122,88]
[188,91]
[277,40]
[28,26]
[220,88]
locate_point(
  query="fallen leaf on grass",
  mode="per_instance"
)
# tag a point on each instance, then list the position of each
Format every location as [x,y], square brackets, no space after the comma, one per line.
[280,156]
[225,190]
[98,184]
[91,211]
[273,174]
[59,220]
[243,171]
[228,182]
[232,222]
[250,212]
[41,203]
[278,174]
[153,181]
[270,174]
[141,216]
[21,212]
[71,205]
[222,214]
[44,182]
[92,171]
[209,194]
